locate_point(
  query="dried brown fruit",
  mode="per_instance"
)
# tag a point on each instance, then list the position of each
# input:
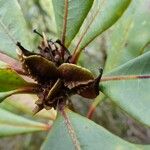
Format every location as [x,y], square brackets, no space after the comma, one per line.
[57,79]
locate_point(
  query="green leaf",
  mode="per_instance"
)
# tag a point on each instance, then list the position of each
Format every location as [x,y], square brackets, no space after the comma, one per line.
[130,35]
[11,124]
[102,15]
[132,95]
[10,80]
[89,136]
[4,95]
[12,27]
[26,106]
[68,25]
[3,65]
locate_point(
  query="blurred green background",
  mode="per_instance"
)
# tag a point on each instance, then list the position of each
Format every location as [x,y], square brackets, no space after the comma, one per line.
[39,15]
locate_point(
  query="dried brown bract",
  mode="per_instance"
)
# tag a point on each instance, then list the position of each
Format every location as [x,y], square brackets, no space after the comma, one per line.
[56,77]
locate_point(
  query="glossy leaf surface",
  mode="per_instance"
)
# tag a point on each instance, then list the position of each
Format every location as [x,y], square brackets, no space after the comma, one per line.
[102,16]
[85,135]
[10,80]
[12,27]
[11,124]
[130,36]
[132,95]
[69,15]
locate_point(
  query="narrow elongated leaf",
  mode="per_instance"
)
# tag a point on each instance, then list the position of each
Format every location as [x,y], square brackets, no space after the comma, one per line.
[11,124]
[4,95]
[6,61]
[25,103]
[3,65]
[89,136]
[69,15]
[132,95]
[103,14]
[10,80]
[12,27]
[130,35]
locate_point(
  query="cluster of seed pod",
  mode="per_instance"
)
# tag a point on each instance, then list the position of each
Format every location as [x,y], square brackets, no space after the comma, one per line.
[56,77]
